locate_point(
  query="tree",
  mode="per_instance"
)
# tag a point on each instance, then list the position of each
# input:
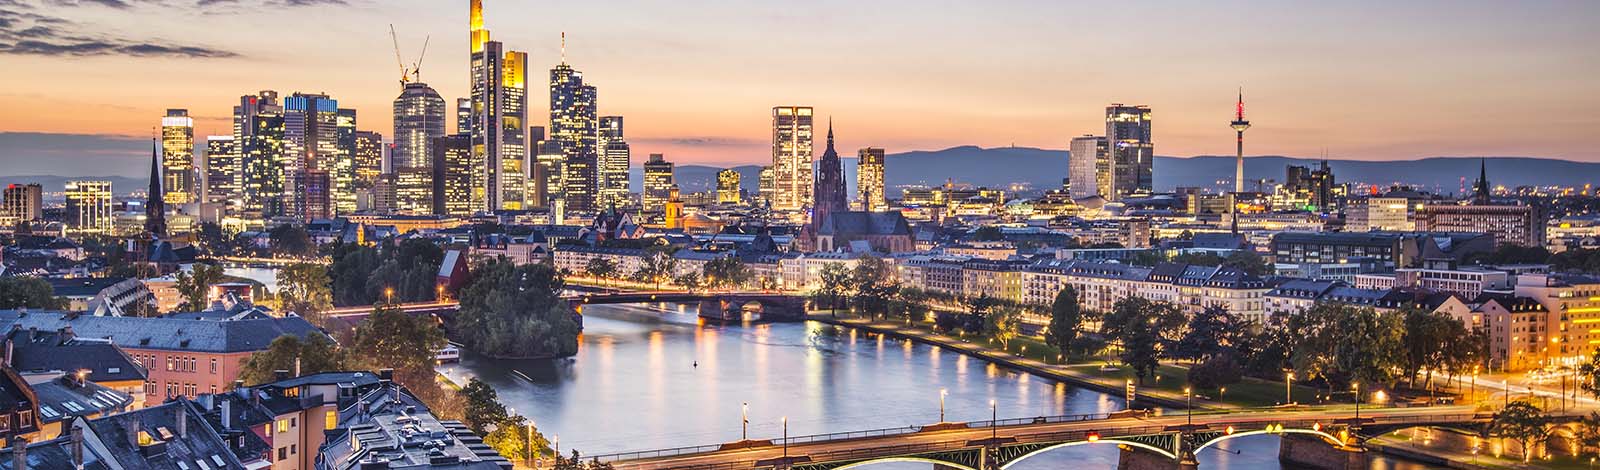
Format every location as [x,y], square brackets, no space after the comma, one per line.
[1588,434]
[1211,332]
[600,268]
[989,233]
[1428,339]
[392,339]
[483,407]
[310,354]
[691,281]
[1066,317]
[516,311]
[1144,329]
[1216,371]
[28,292]
[293,241]
[511,438]
[1249,262]
[194,287]
[1589,374]
[1003,324]
[726,272]
[978,309]
[835,285]
[655,268]
[1522,422]
[873,281]
[1341,343]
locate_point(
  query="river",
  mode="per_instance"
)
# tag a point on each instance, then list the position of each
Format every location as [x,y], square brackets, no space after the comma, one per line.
[653,376]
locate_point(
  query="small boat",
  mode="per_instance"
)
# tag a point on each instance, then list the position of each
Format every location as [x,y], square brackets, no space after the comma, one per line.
[449,354]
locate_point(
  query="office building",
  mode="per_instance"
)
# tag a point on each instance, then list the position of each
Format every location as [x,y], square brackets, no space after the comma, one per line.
[613,163]
[1132,153]
[728,191]
[869,179]
[1089,167]
[311,137]
[342,177]
[89,207]
[1377,214]
[1316,187]
[367,159]
[766,185]
[23,201]
[419,118]
[452,176]
[791,158]
[549,174]
[574,125]
[1509,224]
[224,174]
[177,158]
[499,120]
[658,183]
[259,135]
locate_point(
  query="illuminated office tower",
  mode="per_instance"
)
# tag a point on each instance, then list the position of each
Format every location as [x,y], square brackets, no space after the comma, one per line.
[499,120]
[259,137]
[574,125]
[728,186]
[1132,152]
[311,137]
[791,158]
[463,116]
[177,158]
[869,179]
[25,202]
[419,118]
[765,186]
[368,159]
[1089,167]
[343,175]
[89,207]
[658,183]
[549,174]
[224,174]
[452,176]
[613,162]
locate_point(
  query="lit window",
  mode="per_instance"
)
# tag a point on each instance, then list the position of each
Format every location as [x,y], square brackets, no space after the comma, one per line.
[330,420]
[283,425]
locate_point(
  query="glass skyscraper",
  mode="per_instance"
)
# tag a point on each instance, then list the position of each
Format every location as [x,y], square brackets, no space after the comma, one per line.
[177,158]
[1131,152]
[419,119]
[791,158]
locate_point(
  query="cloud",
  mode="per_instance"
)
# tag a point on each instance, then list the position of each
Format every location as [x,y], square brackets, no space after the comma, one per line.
[24,32]
[702,141]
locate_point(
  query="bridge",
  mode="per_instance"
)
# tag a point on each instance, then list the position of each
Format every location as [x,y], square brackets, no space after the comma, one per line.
[1321,439]
[719,306]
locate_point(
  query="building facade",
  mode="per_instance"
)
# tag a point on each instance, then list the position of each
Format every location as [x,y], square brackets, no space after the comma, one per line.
[1132,153]
[1089,167]
[574,125]
[791,158]
[452,181]
[658,183]
[419,118]
[869,179]
[499,120]
[613,163]
[728,191]
[25,202]
[89,207]
[177,158]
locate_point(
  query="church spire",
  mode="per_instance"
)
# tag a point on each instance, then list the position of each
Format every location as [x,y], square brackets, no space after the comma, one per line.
[1481,196]
[155,207]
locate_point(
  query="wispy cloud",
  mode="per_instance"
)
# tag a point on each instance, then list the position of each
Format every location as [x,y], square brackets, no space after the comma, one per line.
[708,141]
[24,30]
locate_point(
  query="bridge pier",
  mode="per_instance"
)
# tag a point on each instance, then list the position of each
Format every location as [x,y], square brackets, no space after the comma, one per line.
[1130,458]
[1315,452]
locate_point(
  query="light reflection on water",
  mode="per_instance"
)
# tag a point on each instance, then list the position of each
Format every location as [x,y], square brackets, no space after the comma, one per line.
[653,376]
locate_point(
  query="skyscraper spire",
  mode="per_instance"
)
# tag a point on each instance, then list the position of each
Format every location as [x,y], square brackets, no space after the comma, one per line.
[830,132]
[155,207]
[563,47]
[476,35]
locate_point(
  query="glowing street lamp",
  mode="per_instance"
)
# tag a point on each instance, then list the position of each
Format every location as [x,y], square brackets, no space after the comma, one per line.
[744,421]
[942,393]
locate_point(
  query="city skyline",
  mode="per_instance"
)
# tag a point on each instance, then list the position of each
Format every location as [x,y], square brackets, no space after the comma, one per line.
[1318,87]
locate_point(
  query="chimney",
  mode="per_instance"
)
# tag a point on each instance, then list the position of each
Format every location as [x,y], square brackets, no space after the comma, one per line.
[227,414]
[297,366]
[385,375]
[65,334]
[134,426]
[280,375]
[77,447]
[183,419]
[32,331]
[19,452]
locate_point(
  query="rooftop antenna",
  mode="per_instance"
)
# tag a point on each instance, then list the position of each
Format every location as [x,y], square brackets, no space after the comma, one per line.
[563,47]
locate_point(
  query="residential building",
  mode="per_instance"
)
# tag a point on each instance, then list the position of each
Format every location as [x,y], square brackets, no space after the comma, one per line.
[658,182]
[791,158]
[23,201]
[869,179]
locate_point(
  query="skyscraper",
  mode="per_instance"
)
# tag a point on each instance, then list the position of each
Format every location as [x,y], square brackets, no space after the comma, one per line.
[343,174]
[419,118]
[452,175]
[658,183]
[311,136]
[549,174]
[728,186]
[869,179]
[24,201]
[613,163]
[89,207]
[259,136]
[791,157]
[463,116]
[574,125]
[830,187]
[368,159]
[1132,152]
[1239,125]
[499,122]
[224,174]
[1089,167]
[177,158]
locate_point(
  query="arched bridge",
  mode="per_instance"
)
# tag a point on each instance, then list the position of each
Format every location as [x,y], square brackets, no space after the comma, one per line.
[1317,439]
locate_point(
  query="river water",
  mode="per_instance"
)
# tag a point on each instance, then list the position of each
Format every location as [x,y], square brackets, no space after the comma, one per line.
[653,376]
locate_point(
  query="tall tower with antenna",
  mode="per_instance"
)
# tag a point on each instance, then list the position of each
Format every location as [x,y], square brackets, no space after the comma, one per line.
[1239,124]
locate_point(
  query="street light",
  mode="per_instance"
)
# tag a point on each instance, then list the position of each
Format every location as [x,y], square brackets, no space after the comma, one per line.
[744,421]
[1356,386]
[786,439]
[1188,405]
[942,394]
[1222,394]
[1506,388]
[1288,382]
[994,420]
[388,293]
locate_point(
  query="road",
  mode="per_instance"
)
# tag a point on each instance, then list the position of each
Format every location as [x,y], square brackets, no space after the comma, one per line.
[847,448]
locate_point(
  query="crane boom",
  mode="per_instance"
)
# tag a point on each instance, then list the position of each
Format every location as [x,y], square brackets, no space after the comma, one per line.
[397,60]
[416,67]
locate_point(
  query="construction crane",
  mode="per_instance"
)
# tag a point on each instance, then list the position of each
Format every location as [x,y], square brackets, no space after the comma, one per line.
[414,73]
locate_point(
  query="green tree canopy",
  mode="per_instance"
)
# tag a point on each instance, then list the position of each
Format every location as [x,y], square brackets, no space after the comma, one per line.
[315,353]
[516,311]
[28,292]
[1144,329]
[726,272]
[1342,343]
[1523,422]
[1066,317]
[194,287]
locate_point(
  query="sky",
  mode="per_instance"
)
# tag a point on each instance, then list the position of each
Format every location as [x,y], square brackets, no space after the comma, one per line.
[84,80]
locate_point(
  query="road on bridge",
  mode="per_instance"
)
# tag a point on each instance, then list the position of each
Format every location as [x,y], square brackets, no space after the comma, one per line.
[844,448]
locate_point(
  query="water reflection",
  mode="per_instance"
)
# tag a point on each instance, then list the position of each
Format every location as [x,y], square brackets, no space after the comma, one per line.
[652,376]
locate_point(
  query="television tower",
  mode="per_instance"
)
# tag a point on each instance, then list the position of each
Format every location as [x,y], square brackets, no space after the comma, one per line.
[1239,125]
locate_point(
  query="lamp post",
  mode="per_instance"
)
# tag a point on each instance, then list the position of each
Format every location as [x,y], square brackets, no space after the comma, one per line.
[1288,384]
[942,394]
[1188,405]
[744,421]
[994,420]
[786,439]
[1356,386]
[1222,394]
[1505,387]
[388,294]
[533,452]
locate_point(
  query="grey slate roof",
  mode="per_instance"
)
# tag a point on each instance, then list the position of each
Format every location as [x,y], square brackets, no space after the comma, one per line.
[174,334]
[46,351]
[61,399]
[196,441]
[864,223]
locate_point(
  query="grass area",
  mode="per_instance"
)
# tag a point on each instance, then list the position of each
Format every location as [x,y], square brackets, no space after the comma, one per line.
[1248,392]
[1486,459]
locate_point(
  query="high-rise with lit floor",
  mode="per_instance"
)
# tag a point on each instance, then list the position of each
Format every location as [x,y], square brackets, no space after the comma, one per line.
[728,186]
[23,202]
[177,158]
[614,162]
[574,124]
[89,207]
[224,175]
[499,120]
[311,136]
[869,179]
[259,134]
[419,118]
[1132,152]
[791,158]
[658,183]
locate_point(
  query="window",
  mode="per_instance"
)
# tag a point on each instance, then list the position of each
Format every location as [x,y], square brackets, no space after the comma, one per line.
[213,366]
[293,423]
[283,453]
[5,423]
[24,417]
[283,426]
[294,449]
[330,420]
